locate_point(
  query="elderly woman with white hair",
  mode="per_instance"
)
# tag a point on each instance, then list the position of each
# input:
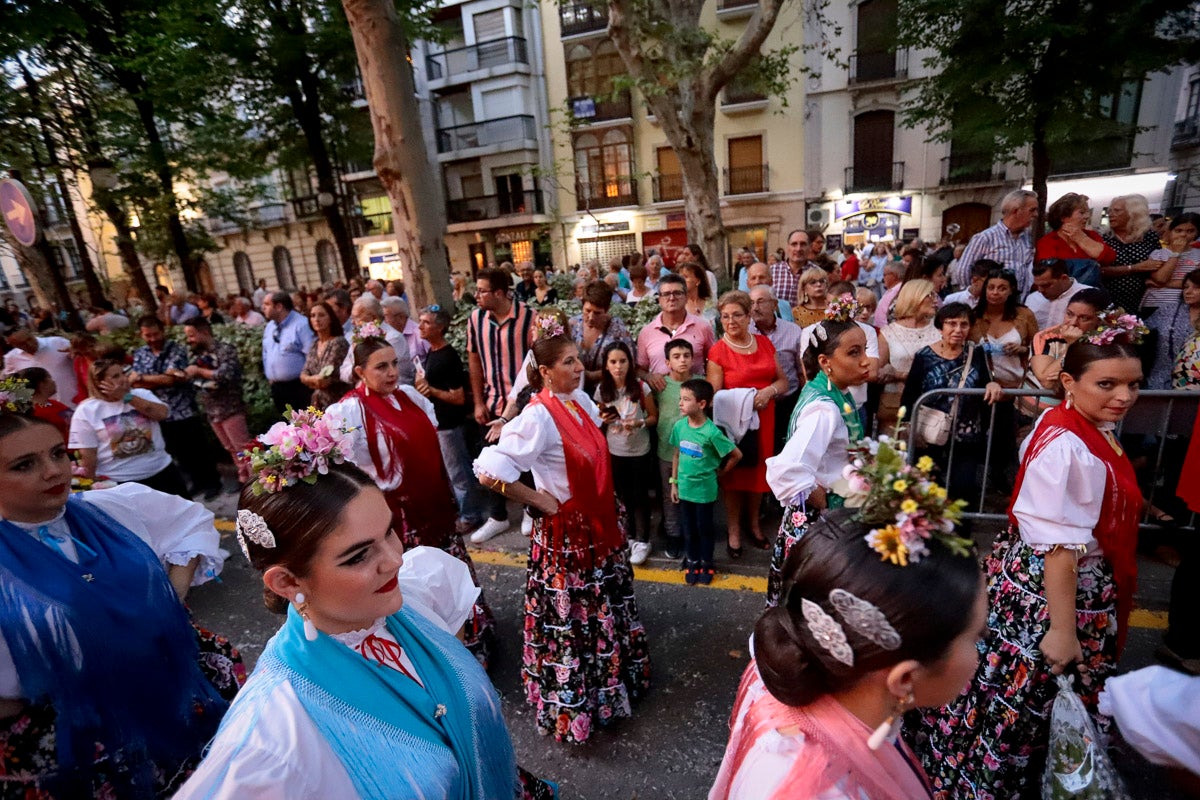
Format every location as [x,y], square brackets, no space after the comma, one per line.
[1131,237]
[367,310]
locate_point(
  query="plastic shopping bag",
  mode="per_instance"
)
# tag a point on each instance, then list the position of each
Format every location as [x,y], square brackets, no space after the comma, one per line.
[1077,766]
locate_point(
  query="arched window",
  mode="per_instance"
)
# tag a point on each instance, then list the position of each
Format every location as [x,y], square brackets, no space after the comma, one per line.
[284,272]
[245,275]
[327,261]
[581,71]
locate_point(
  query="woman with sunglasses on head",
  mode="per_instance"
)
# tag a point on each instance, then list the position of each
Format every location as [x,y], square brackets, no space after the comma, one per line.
[365,692]
[865,630]
[814,297]
[106,688]
[393,438]
[1061,580]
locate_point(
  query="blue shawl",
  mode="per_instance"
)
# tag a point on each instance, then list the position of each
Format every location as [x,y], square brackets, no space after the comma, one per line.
[108,644]
[396,738]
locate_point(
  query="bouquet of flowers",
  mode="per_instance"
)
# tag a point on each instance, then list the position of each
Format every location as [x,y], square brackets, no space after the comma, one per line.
[298,449]
[16,397]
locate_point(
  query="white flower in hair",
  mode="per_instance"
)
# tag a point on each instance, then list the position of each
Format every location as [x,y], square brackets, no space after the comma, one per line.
[252,527]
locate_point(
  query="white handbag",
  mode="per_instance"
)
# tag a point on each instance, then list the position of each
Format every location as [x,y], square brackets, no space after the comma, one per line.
[934,425]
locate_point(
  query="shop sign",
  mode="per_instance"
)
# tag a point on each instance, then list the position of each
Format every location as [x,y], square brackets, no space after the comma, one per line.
[875,225]
[677,220]
[849,208]
[654,223]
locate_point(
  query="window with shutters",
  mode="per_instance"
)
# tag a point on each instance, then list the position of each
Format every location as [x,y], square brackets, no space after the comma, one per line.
[876,57]
[668,183]
[327,261]
[489,25]
[746,172]
[284,272]
[591,68]
[606,248]
[245,275]
[874,137]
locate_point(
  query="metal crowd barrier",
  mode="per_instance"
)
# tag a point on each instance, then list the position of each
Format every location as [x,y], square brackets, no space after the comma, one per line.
[1164,417]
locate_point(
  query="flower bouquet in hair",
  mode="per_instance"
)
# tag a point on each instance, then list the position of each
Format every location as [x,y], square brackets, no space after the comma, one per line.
[367,330]
[1116,325]
[298,449]
[843,308]
[16,396]
[904,505]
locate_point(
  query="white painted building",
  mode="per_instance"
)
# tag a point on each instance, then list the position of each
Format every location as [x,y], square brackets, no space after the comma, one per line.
[867,178]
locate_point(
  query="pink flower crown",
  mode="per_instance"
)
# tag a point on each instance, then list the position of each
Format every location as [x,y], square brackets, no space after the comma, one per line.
[298,449]
[1116,325]
[904,505]
[548,326]
[367,330]
[842,309]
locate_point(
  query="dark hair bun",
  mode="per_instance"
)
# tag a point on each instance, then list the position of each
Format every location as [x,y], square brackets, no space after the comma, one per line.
[789,671]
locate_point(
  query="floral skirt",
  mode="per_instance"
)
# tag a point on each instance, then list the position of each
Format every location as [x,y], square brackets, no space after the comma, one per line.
[585,656]
[794,525]
[28,746]
[479,629]
[991,742]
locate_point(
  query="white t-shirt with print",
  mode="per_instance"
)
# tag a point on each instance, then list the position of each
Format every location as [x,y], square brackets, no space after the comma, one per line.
[129,445]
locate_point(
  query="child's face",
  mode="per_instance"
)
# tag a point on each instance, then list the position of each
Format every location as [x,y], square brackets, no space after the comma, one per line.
[48,388]
[617,366]
[679,361]
[689,406]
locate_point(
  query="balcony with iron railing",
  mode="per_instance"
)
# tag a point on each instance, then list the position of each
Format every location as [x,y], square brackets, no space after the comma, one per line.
[959,168]
[735,9]
[449,64]
[582,16]
[490,133]
[493,206]
[620,191]
[867,67]
[587,110]
[746,180]
[667,188]
[1186,132]
[738,95]
[875,178]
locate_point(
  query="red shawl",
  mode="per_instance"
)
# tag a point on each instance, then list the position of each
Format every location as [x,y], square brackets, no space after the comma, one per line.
[424,500]
[589,474]
[1189,480]
[1117,530]
[834,754]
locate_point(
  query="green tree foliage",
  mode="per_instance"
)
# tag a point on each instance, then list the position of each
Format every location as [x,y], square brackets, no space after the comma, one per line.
[1048,75]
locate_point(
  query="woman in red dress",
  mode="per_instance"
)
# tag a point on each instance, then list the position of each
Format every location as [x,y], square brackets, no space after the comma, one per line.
[745,360]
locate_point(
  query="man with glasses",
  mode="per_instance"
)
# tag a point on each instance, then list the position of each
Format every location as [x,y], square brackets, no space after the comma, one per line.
[673,322]
[285,344]
[785,276]
[1009,241]
[499,333]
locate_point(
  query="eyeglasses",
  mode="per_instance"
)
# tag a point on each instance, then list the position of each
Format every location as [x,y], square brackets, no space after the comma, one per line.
[670,295]
[733,316]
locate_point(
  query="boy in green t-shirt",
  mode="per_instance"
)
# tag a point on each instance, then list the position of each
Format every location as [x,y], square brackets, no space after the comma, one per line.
[679,364]
[700,447]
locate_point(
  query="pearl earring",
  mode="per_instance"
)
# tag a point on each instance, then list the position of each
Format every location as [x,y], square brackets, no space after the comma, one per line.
[310,630]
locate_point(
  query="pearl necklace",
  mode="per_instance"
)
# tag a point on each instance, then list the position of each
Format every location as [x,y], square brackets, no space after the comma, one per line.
[732,343]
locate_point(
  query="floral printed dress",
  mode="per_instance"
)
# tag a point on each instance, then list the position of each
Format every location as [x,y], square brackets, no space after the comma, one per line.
[991,742]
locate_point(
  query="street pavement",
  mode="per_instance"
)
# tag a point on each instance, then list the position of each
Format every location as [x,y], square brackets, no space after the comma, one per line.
[672,747]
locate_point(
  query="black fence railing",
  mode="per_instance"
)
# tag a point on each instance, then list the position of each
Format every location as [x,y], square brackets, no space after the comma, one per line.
[590,109]
[867,66]
[875,178]
[494,206]
[489,132]
[1186,132]
[582,16]
[746,180]
[621,191]
[970,168]
[667,187]
[494,53]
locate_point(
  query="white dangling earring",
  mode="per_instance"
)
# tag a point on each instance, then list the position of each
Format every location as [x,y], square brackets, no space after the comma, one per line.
[310,630]
[889,729]
[1070,400]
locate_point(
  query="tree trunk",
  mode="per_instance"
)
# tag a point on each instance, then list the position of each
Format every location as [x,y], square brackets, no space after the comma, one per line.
[129,254]
[401,161]
[90,279]
[701,191]
[45,278]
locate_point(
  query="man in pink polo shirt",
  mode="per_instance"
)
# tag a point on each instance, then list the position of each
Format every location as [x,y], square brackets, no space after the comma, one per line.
[674,322]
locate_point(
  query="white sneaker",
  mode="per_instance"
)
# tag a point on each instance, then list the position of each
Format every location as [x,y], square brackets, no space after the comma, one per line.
[641,551]
[527,525]
[489,530]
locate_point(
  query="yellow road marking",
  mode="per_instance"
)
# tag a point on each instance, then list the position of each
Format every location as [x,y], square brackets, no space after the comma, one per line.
[1140,618]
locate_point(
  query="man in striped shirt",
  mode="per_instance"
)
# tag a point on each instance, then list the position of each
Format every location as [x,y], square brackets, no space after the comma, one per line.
[1009,241]
[499,333]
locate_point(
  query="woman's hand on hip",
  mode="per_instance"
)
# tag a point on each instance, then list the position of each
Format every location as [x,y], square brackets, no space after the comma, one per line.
[546,502]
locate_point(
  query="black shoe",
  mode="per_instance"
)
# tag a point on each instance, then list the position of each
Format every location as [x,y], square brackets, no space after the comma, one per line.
[672,552]
[734,552]
[693,574]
